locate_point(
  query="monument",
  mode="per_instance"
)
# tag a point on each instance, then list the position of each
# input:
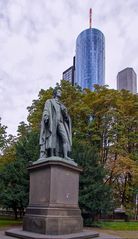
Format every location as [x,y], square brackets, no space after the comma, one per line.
[53,210]
[55,135]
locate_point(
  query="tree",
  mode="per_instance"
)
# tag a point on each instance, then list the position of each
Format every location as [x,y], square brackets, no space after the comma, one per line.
[123,177]
[14,184]
[23,130]
[9,154]
[7,149]
[105,119]
[95,195]
[27,147]
[3,136]
[36,109]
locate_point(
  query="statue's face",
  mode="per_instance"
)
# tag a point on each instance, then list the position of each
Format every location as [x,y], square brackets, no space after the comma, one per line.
[58,93]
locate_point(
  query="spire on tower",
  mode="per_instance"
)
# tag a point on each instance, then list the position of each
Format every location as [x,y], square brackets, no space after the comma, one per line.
[90,17]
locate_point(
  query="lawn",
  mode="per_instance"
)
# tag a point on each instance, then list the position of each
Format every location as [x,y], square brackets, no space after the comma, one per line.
[9,222]
[119,225]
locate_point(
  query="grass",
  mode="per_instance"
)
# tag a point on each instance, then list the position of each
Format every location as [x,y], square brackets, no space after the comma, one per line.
[119,225]
[9,222]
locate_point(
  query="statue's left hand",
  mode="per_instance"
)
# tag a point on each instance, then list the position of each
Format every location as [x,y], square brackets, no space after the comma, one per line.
[46,118]
[64,109]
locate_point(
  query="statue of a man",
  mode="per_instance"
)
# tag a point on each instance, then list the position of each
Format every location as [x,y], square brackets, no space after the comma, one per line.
[55,135]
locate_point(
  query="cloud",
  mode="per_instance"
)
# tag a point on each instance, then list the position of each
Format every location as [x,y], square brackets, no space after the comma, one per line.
[37,43]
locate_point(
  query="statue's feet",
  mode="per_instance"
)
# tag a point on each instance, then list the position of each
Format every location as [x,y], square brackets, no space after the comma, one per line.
[42,155]
[68,158]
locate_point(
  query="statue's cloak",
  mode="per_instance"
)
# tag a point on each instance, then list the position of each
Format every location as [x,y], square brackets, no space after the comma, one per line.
[48,135]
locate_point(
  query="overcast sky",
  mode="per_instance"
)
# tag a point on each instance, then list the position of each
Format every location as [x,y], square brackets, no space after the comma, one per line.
[37,43]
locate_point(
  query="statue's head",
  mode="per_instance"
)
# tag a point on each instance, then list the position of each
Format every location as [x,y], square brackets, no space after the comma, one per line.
[57,92]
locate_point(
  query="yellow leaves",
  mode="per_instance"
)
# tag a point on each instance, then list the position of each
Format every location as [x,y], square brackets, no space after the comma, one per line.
[123,166]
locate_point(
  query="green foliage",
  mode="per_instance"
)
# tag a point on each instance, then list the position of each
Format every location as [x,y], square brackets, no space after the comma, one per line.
[7,152]
[119,225]
[95,195]
[22,130]
[35,110]
[27,147]
[3,136]
[14,184]
[9,222]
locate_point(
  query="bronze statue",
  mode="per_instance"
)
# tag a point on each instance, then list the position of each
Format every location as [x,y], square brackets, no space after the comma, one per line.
[55,135]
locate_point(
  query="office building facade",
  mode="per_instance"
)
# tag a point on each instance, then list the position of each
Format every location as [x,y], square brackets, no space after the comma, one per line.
[90,59]
[69,74]
[127,79]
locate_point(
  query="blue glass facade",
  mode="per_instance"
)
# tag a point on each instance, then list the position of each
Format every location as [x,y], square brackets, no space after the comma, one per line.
[90,59]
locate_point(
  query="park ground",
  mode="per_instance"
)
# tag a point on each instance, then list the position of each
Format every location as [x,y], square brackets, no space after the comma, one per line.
[122,234]
[124,230]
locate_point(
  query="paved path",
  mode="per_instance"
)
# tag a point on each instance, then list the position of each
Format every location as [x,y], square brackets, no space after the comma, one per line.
[102,235]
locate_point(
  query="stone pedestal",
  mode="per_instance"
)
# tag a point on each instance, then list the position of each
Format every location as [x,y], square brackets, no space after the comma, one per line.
[53,211]
[53,199]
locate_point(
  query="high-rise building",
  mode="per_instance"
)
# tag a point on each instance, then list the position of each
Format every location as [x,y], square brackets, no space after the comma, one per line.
[69,74]
[127,79]
[89,62]
[90,58]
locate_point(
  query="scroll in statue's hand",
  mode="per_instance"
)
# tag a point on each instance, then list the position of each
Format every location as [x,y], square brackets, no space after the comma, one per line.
[64,109]
[46,119]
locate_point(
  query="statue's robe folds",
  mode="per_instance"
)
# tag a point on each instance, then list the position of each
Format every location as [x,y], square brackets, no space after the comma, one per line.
[49,135]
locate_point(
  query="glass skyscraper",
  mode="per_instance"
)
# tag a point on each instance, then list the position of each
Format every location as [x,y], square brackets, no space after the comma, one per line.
[90,59]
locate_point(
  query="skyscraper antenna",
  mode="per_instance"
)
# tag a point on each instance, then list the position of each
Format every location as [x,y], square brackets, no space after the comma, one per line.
[90,17]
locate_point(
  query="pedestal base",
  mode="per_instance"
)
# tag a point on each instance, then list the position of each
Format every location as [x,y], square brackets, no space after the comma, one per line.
[53,221]
[30,235]
[53,199]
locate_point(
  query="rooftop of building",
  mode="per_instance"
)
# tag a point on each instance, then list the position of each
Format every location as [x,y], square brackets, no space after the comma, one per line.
[127,69]
[94,30]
